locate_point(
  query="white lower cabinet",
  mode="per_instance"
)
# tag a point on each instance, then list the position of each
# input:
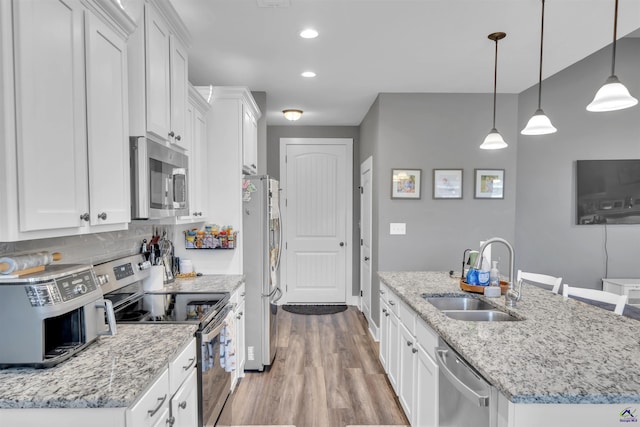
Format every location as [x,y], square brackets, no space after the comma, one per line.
[237,298]
[407,353]
[152,405]
[184,404]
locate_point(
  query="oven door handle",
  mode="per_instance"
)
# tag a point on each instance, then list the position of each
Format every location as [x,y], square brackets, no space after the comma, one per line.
[107,306]
[218,325]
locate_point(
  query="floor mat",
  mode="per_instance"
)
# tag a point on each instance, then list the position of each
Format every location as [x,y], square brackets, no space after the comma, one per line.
[314,309]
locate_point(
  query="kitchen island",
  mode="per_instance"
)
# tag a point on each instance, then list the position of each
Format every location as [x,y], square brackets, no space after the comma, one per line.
[562,354]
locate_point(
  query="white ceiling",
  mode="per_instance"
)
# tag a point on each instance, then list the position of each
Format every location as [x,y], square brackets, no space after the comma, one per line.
[368,47]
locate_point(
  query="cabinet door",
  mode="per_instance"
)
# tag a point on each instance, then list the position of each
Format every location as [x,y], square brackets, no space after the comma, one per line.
[384,334]
[157,72]
[394,351]
[179,90]
[426,391]
[240,333]
[107,124]
[407,346]
[249,143]
[184,404]
[50,113]
[199,171]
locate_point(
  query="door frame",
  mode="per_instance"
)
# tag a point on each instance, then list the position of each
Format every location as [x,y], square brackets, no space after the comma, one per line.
[367,164]
[350,299]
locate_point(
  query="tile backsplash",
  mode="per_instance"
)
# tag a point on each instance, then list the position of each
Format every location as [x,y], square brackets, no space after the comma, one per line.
[89,248]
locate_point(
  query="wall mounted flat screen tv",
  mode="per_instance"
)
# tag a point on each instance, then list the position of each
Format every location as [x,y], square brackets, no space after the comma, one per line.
[608,191]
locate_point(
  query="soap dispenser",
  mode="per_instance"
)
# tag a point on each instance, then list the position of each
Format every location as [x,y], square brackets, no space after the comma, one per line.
[494,274]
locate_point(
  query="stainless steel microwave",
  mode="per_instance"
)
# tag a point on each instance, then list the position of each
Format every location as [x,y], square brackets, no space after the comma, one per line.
[159,176]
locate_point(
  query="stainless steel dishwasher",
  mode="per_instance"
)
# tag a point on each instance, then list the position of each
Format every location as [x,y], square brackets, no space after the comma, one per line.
[465,398]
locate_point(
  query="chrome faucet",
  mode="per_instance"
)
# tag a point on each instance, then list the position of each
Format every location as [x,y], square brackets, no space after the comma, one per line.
[512,295]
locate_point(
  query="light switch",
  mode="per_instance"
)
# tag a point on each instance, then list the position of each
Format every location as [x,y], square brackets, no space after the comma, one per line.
[398,228]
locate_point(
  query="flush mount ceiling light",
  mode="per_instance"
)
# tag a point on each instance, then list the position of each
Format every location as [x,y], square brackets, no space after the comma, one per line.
[291,114]
[308,74]
[494,140]
[539,123]
[309,33]
[613,95]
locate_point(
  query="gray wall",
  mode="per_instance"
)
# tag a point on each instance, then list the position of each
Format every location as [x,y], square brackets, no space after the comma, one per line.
[274,133]
[547,238]
[427,131]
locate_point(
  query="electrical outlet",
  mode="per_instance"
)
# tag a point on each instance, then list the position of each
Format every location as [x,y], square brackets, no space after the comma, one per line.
[397,228]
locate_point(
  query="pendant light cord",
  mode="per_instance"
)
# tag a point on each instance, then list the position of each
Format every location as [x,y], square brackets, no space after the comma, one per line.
[615,31]
[540,73]
[495,83]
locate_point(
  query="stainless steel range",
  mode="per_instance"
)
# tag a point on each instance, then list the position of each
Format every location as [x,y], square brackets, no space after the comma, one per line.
[122,282]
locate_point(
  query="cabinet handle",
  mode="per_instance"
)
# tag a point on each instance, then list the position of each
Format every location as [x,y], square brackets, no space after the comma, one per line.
[160,403]
[171,134]
[387,314]
[171,420]
[391,302]
[102,216]
[409,343]
[242,294]
[85,217]
[253,166]
[414,350]
[366,258]
[381,292]
[384,310]
[178,137]
[183,404]
[191,362]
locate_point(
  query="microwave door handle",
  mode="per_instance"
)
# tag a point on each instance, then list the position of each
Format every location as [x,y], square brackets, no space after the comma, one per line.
[107,305]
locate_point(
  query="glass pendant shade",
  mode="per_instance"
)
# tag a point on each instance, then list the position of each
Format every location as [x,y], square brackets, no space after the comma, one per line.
[539,124]
[612,96]
[493,141]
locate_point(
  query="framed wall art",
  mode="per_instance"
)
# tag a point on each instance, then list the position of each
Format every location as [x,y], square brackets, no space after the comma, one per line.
[489,184]
[405,183]
[447,183]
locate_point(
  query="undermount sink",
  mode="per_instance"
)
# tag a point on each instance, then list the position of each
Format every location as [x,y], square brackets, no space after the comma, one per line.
[480,315]
[469,308]
[459,303]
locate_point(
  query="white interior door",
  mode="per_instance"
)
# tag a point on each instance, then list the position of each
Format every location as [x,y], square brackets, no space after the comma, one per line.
[317,191]
[366,174]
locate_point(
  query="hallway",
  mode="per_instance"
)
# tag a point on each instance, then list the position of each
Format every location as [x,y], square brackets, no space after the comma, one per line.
[326,374]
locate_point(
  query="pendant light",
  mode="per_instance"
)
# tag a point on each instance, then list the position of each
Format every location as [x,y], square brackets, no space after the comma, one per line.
[494,140]
[613,95]
[539,123]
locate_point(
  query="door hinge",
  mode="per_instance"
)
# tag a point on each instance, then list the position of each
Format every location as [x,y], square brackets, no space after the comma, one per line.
[361,242]
[286,245]
[361,294]
[361,190]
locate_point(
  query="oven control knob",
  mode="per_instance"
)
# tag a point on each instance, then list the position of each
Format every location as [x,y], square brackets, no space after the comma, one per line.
[80,289]
[103,279]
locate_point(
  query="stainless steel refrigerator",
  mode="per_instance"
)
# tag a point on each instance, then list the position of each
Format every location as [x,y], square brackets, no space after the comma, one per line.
[262,237]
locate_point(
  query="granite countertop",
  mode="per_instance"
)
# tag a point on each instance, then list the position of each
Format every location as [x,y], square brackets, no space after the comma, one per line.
[111,372]
[563,351]
[206,283]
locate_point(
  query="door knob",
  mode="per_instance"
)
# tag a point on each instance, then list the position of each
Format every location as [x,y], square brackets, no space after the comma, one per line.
[85,217]
[341,243]
[366,258]
[171,134]
[102,216]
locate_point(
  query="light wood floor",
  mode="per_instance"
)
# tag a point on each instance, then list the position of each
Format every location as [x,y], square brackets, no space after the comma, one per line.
[326,374]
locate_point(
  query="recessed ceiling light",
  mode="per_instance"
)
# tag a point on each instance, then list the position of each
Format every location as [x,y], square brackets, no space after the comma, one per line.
[308,74]
[309,33]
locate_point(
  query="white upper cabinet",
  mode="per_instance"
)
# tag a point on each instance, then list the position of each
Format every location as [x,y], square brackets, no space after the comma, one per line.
[107,125]
[249,143]
[158,75]
[66,120]
[196,144]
